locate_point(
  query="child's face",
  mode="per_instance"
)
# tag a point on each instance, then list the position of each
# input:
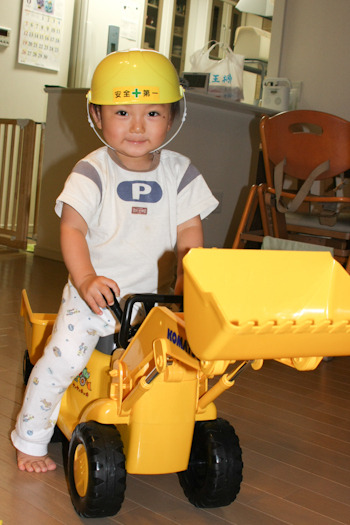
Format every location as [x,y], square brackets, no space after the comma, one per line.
[133,131]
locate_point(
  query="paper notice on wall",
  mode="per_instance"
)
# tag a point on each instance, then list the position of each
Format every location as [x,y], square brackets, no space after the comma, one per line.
[130,17]
[41,31]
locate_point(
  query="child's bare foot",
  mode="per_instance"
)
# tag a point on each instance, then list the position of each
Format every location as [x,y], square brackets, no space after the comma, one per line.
[34,463]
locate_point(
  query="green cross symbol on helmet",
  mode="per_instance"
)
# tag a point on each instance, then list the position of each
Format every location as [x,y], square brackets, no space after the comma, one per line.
[136,93]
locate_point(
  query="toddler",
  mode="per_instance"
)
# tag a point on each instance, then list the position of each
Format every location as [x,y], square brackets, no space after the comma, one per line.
[129,213]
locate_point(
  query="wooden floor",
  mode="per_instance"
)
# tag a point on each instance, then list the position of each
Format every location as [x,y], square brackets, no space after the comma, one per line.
[294,429]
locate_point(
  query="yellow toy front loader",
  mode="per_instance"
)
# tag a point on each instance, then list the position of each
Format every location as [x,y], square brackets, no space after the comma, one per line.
[149,408]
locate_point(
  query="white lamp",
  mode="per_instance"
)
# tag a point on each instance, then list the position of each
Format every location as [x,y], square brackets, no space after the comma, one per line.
[256,7]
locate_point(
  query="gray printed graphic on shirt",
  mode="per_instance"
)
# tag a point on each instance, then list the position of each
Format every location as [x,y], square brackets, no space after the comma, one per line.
[85,168]
[190,174]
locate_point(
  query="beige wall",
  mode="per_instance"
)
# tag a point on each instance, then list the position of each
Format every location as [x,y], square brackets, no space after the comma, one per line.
[22,92]
[315,50]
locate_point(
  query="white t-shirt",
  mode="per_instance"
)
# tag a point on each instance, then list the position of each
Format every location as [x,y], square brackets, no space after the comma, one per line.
[132,217]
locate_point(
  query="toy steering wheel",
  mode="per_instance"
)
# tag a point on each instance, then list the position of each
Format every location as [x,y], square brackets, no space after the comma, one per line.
[127,330]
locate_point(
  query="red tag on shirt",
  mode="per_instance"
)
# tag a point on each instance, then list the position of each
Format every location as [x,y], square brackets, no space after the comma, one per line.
[139,211]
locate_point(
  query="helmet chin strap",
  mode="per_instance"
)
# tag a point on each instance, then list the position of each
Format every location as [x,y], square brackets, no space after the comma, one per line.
[92,124]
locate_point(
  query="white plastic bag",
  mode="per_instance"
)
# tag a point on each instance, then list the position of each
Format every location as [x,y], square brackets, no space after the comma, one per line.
[226,75]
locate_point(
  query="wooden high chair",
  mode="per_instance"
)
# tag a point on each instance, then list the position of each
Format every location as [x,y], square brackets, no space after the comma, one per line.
[306,156]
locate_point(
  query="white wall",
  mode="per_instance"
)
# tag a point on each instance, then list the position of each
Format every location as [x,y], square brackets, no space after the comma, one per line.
[198,28]
[90,33]
[167,22]
[22,88]
[315,50]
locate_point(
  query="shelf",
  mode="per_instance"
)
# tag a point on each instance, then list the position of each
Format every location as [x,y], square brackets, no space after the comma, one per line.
[152,24]
[179,34]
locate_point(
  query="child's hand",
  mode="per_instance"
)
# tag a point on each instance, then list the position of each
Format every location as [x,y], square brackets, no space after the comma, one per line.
[96,292]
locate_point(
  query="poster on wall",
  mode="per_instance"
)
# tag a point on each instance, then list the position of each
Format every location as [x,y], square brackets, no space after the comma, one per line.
[41,33]
[129,25]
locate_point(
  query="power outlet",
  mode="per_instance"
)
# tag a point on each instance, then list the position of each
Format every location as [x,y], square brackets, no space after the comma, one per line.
[5,33]
[113,39]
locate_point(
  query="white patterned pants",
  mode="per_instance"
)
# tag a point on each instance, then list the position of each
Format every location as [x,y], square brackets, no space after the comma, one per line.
[74,337]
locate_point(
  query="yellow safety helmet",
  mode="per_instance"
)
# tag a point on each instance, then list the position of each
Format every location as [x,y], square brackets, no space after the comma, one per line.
[135,77]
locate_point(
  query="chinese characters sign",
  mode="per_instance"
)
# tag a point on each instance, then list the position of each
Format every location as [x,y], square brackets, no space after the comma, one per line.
[144,94]
[41,33]
[220,79]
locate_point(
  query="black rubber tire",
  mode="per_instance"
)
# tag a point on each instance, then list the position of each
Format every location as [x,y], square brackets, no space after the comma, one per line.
[27,367]
[105,474]
[214,474]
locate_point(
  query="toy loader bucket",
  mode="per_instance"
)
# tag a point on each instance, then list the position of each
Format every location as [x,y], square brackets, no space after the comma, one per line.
[257,304]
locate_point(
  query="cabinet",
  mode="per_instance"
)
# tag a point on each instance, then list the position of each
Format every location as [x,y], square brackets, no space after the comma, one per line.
[151,26]
[179,34]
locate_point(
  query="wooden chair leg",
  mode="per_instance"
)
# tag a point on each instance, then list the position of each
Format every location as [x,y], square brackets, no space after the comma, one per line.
[267,230]
[247,217]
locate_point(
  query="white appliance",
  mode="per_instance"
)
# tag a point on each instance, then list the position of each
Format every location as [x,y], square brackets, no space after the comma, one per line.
[276,93]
